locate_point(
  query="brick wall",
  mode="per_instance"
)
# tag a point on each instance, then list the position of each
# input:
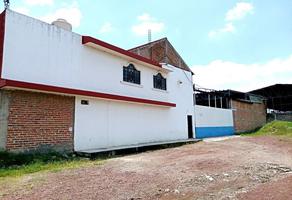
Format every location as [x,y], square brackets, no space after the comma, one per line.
[161,51]
[39,121]
[248,116]
[154,51]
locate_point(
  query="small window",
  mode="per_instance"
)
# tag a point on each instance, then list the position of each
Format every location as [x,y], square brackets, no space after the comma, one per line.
[131,74]
[159,82]
[84,102]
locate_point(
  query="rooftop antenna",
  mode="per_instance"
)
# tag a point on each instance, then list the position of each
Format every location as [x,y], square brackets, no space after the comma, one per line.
[149,35]
[6,4]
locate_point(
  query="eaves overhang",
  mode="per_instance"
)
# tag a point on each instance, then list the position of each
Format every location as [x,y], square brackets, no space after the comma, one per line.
[117,51]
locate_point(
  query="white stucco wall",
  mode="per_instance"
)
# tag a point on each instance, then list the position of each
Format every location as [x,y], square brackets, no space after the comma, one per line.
[108,124]
[41,53]
[213,117]
[105,123]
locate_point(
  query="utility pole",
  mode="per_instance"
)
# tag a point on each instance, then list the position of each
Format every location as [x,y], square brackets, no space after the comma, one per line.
[149,35]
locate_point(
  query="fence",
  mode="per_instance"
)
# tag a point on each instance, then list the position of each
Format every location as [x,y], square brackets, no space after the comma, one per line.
[213,122]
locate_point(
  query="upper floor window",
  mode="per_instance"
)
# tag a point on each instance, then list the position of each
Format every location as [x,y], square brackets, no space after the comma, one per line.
[131,74]
[159,82]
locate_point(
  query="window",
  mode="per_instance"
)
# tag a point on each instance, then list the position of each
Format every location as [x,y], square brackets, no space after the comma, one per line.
[159,82]
[131,74]
[84,102]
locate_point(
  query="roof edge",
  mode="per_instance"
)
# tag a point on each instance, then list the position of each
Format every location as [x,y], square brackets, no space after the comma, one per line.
[89,39]
[165,38]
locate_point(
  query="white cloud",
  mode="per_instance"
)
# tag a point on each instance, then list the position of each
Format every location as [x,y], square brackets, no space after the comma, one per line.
[144,17]
[22,10]
[228,28]
[71,13]
[39,2]
[243,77]
[147,22]
[239,11]
[106,28]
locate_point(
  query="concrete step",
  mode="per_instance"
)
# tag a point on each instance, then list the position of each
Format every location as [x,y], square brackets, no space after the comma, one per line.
[137,147]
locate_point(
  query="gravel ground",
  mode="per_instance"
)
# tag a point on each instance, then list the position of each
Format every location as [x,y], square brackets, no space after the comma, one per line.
[237,168]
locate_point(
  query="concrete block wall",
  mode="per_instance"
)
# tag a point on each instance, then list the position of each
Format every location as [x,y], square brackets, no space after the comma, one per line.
[3,119]
[38,121]
[248,116]
[213,122]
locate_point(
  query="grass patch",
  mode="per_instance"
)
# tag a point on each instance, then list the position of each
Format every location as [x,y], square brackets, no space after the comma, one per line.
[275,128]
[13,165]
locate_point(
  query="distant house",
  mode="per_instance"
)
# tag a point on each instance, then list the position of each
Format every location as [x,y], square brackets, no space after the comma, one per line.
[64,91]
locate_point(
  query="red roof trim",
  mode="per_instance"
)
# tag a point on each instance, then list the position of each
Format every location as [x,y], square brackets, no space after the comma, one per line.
[88,39]
[34,86]
[2,33]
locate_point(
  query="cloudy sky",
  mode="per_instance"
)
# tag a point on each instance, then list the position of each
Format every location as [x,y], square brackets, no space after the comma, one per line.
[229,44]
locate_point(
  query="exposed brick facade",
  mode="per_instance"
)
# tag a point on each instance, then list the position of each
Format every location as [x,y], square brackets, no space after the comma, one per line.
[39,121]
[248,116]
[161,51]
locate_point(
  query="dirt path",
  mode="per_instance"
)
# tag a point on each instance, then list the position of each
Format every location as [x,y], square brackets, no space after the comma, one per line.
[239,168]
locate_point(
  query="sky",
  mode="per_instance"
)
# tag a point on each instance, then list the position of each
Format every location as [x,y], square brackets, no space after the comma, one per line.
[229,44]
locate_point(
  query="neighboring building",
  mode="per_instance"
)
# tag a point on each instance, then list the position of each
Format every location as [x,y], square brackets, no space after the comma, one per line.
[279,101]
[249,110]
[279,96]
[64,91]
[163,52]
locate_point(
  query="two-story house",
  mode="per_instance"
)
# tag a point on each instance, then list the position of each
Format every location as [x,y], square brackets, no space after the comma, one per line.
[66,91]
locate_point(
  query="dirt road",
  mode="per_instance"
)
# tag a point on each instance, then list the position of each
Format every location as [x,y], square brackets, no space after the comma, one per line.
[238,168]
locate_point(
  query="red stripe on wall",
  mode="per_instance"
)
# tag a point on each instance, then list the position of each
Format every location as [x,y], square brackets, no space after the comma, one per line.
[88,39]
[2,33]
[34,86]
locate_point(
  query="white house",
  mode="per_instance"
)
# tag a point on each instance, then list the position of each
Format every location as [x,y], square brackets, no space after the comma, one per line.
[60,89]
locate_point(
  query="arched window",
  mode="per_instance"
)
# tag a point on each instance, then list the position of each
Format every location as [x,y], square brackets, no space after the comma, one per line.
[131,74]
[159,82]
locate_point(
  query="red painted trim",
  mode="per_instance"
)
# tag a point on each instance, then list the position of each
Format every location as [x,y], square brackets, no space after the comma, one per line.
[88,39]
[34,86]
[2,33]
